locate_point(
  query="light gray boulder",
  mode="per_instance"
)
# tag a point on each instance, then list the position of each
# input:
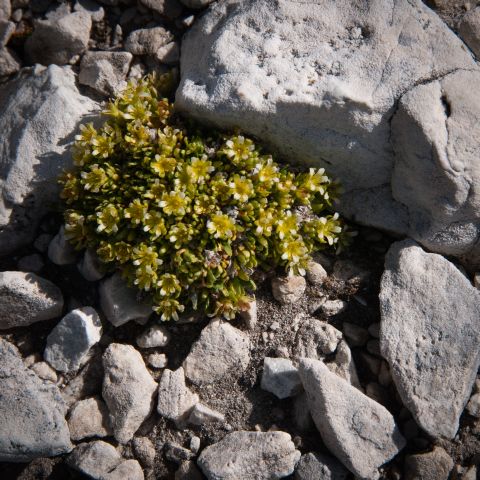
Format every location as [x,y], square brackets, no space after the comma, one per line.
[94,459]
[69,343]
[469,30]
[89,418]
[280,377]
[26,298]
[253,455]
[33,421]
[105,71]
[39,113]
[430,332]
[436,175]
[128,390]
[71,31]
[319,82]
[121,303]
[316,466]
[175,399]
[360,432]
[221,349]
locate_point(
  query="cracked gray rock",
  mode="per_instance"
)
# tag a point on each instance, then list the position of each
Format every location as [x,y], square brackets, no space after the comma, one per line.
[327,76]
[430,332]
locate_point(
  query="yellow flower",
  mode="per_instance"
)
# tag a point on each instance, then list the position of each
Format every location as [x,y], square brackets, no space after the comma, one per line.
[94,179]
[294,250]
[146,258]
[328,228]
[287,225]
[145,277]
[204,204]
[163,165]
[267,171]
[201,168]
[174,203]
[264,222]
[138,111]
[107,219]
[316,180]
[136,211]
[103,146]
[241,188]
[153,223]
[221,226]
[122,251]
[238,148]
[169,308]
[169,285]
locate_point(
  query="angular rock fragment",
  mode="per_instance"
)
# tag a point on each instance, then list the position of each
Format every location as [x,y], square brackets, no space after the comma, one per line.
[32,412]
[130,469]
[89,418]
[288,289]
[430,333]
[26,298]
[128,390]
[202,415]
[280,377]
[220,349]
[69,343]
[94,459]
[259,455]
[434,465]
[91,267]
[349,422]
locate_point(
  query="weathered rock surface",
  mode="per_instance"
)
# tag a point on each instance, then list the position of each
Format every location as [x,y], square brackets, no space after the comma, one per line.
[155,336]
[89,418]
[91,267]
[45,371]
[327,76]
[469,30]
[436,136]
[39,112]
[288,289]
[26,298]
[147,41]
[220,349]
[316,466]
[348,421]
[280,377]
[94,459]
[254,455]
[69,343]
[9,62]
[130,469]
[105,71]
[71,31]
[175,399]
[128,390]
[202,415]
[120,303]
[430,334]
[434,465]
[60,251]
[32,412]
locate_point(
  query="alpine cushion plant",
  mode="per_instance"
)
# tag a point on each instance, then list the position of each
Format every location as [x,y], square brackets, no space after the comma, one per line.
[187,216]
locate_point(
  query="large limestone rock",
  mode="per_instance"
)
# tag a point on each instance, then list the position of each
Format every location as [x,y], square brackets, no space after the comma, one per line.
[319,81]
[360,432]
[430,334]
[39,113]
[436,137]
[128,390]
[254,455]
[32,412]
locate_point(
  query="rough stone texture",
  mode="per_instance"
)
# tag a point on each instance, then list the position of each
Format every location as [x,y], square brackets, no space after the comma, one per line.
[69,343]
[94,459]
[253,455]
[188,471]
[280,377]
[436,136]
[155,336]
[60,251]
[469,30]
[89,418]
[128,390]
[473,405]
[333,307]
[6,30]
[220,349]
[175,400]
[326,76]
[357,336]
[429,335]
[93,9]
[144,450]
[91,267]
[288,289]
[45,371]
[9,62]
[32,412]
[39,112]
[315,273]
[202,415]
[434,465]
[6,9]
[316,466]
[343,365]
[316,339]
[71,31]
[130,469]
[349,422]
[168,8]
[147,41]
[105,71]
[120,303]
[26,298]
[157,360]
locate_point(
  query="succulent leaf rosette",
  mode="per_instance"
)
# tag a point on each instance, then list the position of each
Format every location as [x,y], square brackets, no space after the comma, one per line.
[188,216]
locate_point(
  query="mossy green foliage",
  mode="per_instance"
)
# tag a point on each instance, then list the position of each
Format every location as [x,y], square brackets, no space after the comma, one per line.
[188,216]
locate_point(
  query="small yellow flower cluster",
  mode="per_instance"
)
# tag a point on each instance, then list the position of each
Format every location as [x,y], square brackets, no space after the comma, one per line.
[188,215]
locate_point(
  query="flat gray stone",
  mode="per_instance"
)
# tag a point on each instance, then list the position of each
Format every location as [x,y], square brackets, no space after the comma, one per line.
[128,390]
[221,349]
[32,412]
[253,455]
[26,298]
[349,422]
[430,333]
[203,415]
[69,343]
